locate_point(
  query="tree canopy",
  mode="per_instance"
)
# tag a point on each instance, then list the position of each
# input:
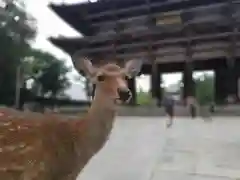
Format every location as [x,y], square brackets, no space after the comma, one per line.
[17,32]
[47,71]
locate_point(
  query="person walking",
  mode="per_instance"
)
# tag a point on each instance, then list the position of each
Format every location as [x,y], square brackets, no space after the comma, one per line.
[192,105]
[168,104]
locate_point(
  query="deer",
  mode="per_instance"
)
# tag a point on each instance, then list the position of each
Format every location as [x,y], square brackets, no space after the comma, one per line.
[47,147]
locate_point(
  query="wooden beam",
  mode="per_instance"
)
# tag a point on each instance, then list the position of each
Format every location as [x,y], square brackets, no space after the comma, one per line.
[125,10]
[160,15]
[178,25]
[135,8]
[176,57]
[169,53]
[141,33]
[169,41]
[201,51]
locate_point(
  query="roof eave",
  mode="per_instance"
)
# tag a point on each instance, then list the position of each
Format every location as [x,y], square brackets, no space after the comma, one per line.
[82,26]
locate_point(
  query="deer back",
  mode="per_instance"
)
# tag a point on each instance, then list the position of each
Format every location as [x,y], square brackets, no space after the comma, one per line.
[36,147]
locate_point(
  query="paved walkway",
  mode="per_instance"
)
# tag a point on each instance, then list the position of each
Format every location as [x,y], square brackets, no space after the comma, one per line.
[143,149]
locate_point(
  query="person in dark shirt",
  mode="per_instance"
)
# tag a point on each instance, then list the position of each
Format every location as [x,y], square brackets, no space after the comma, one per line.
[168,104]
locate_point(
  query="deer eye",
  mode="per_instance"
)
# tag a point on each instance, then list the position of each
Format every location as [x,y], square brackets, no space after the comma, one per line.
[127,77]
[101,78]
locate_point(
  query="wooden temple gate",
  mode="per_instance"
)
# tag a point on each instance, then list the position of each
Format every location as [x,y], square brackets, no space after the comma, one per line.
[179,35]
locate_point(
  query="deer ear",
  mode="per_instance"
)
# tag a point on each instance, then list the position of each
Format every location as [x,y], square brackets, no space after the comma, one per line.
[84,65]
[133,67]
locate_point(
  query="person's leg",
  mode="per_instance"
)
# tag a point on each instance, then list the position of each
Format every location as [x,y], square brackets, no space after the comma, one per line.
[210,112]
[193,111]
[170,115]
[170,122]
[167,114]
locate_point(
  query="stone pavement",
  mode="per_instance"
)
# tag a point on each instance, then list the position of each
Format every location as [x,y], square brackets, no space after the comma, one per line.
[141,148]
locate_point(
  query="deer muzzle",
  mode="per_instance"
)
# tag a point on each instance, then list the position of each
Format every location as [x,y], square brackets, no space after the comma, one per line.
[124,94]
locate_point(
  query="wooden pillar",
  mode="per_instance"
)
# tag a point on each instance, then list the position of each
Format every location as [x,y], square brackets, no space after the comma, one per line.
[226,84]
[156,84]
[231,72]
[159,88]
[154,69]
[220,87]
[231,81]
[132,87]
[154,75]
[189,84]
[238,80]
[93,90]
[153,80]
[88,89]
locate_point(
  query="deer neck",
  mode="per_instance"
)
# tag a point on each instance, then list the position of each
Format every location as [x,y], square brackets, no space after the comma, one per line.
[102,110]
[98,125]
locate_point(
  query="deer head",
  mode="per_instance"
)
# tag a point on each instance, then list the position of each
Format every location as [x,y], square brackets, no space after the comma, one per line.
[110,79]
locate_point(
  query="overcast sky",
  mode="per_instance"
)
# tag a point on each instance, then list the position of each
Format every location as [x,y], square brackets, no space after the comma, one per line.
[49,24]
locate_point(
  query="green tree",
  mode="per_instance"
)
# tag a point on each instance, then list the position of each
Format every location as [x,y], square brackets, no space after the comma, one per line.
[53,79]
[205,89]
[204,86]
[17,29]
[47,71]
[144,98]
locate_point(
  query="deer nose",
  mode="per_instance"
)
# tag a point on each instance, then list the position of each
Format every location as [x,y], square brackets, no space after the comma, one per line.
[124,94]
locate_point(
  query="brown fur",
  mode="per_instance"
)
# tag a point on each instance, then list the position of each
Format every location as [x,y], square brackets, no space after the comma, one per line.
[48,147]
